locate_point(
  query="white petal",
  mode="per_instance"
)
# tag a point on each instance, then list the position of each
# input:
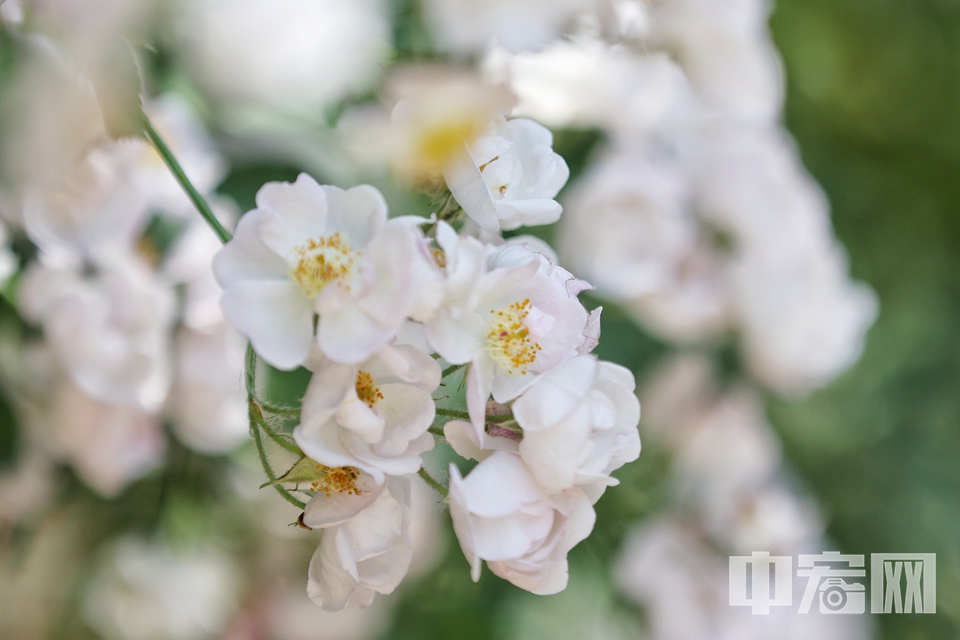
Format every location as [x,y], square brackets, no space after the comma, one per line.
[345,332]
[466,183]
[292,213]
[275,316]
[499,486]
[246,257]
[558,393]
[327,511]
[357,212]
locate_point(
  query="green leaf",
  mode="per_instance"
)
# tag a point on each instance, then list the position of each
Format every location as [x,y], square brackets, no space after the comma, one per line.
[304,471]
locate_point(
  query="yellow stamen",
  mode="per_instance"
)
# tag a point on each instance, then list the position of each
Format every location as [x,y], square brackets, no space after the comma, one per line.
[322,260]
[367,389]
[508,341]
[336,480]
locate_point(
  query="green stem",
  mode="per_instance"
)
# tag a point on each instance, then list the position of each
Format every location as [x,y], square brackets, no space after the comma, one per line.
[181,177]
[255,428]
[288,412]
[463,415]
[433,484]
[262,423]
[453,413]
[251,371]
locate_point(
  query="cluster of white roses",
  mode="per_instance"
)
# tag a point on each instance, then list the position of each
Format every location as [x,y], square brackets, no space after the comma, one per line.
[320,277]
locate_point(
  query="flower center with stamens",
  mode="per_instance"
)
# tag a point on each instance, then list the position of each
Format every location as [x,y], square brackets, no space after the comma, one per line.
[508,340]
[322,260]
[336,480]
[367,389]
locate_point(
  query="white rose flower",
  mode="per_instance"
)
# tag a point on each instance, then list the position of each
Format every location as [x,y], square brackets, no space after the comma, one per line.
[287,57]
[145,591]
[510,323]
[109,445]
[361,553]
[111,330]
[515,162]
[501,515]
[579,424]
[373,416]
[95,204]
[309,249]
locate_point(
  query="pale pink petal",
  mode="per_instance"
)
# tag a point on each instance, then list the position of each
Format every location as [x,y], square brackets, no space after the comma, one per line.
[275,316]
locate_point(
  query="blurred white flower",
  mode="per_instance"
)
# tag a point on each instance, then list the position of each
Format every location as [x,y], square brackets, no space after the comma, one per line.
[108,445]
[682,585]
[629,228]
[288,57]
[725,49]
[515,162]
[309,248]
[208,402]
[11,11]
[803,319]
[579,424]
[95,206]
[365,555]
[110,330]
[585,82]
[373,416]
[501,515]
[472,25]
[147,591]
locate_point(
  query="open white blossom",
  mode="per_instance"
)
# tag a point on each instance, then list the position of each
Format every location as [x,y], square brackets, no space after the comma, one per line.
[515,162]
[373,416]
[512,323]
[501,515]
[368,553]
[579,424]
[310,249]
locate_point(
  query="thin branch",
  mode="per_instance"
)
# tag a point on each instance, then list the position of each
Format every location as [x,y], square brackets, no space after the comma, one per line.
[255,428]
[181,177]
[433,484]
[453,413]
